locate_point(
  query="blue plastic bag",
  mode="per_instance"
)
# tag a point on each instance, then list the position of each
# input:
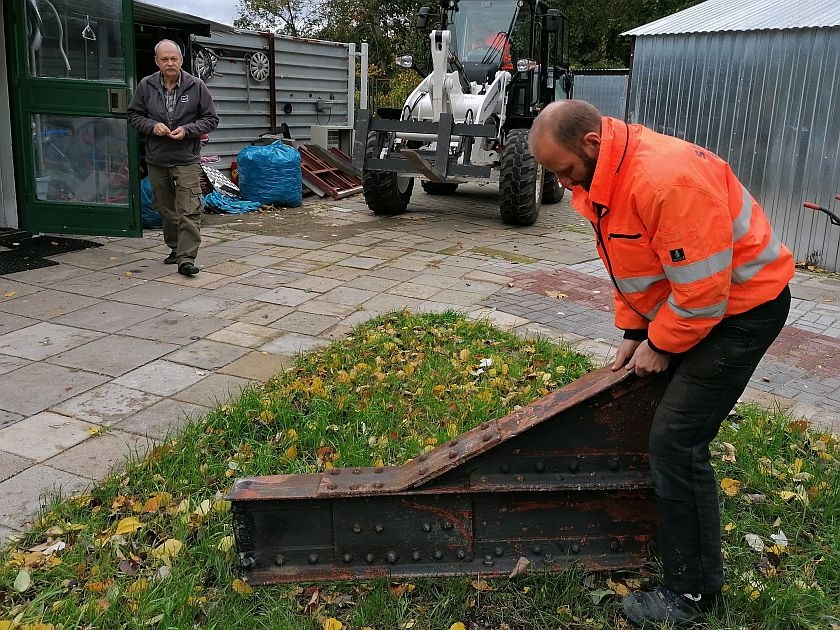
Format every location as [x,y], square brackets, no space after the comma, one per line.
[229,205]
[270,174]
[150,217]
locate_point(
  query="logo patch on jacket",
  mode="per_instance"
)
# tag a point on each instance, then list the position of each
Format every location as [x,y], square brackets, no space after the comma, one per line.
[185,98]
[677,255]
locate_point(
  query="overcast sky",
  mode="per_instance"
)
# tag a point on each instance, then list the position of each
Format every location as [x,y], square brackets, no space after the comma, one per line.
[224,11]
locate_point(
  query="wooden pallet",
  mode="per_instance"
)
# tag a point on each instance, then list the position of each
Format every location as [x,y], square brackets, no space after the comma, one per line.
[323,172]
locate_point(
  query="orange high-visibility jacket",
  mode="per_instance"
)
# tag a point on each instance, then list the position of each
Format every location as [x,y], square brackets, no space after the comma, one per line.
[682,238]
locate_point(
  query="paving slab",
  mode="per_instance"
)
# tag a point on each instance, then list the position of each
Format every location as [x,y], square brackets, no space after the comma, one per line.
[44,339]
[7,533]
[25,493]
[162,377]
[10,464]
[10,323]
[177,328]
[108,317]
[107,355]
[163,419]
[216,389]
[258,366]
[201,280]
[9,363]
[155,294]
[47,304]
[43,435]
[206,354]
[306,323]
[99,456]
[7,419]
[107,404]
[244,334]
[292,344]
[286,296]
[255,312]
[32,280]
[37,386]
[98,283]
[97,258]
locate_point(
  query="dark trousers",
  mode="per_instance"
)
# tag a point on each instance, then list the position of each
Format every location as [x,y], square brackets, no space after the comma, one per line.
[704,385]
[176,194]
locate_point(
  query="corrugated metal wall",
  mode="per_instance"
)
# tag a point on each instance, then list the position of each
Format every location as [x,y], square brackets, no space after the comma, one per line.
[766,101]
[607,92]
[305,70]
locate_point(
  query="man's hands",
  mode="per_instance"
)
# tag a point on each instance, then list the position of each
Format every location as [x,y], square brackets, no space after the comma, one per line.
[162,130]
[638,356]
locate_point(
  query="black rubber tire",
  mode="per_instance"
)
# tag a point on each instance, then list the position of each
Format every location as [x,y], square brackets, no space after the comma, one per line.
[438,188]
[552,190]
[385,193]
[520,182]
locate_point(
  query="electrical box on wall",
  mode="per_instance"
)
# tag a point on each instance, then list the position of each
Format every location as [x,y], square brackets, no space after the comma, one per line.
[326,136]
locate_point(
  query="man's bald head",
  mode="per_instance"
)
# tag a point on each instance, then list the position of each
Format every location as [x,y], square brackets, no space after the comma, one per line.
[566,122]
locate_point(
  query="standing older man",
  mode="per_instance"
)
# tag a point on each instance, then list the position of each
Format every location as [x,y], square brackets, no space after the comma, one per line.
[173,109]
[700,292]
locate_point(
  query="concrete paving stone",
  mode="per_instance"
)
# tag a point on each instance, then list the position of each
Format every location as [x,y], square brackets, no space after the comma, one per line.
[463,298]
[204,305]
[108,317]
[44,340]
[315,283]
[479,275]
[244,334]
[203,279]
[409,267]
[10,323]
[177,328]
[98,283]
[340,273]
[230,268]
[319,306]
[106,405]
[286,296]
[43,435]
[99,456]
[10,464]
[348,296]
[108,355]
[345,247]
[386,302]
[428,306]
[386,253]
[414,289]
[253,312]
[259,260]
[306,323]
[163,419]
[46,305]
[338,332]
[32,280]
[257,366]
[269,278]
[26,493]
[97,258]
[145,269]
[7,534]
[285,253]
[206,354]
[235,291]
[161,377]
[299,265]
[7,419]
[282,241]
[155,294]
[360,262]
[324,256]
[10,363]
[37,386]
[292,344]
[216,389]
[359,317]
[368,239]
[371,283]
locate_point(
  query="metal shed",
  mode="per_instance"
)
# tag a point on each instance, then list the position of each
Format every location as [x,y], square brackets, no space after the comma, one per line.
[758,83]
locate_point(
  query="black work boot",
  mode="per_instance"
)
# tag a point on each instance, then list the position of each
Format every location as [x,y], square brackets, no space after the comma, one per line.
[171,259]
[187,268]
[665,606]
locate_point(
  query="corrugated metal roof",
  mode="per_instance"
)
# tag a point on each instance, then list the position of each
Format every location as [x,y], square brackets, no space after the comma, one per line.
[745,15]
[154,15]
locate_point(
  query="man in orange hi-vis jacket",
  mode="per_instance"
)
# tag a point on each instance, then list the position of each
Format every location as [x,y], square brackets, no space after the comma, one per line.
[701,291]
[496,43]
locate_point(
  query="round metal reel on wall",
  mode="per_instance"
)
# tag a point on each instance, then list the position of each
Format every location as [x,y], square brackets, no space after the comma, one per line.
[258,66]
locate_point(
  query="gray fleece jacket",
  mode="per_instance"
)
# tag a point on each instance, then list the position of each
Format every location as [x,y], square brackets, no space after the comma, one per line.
[194,111]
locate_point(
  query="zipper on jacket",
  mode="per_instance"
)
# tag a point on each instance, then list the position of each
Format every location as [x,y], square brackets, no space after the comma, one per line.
[612,235]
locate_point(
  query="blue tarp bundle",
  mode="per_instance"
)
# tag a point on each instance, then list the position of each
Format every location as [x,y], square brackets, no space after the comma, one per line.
[270,174]
[228,204]
[150,217]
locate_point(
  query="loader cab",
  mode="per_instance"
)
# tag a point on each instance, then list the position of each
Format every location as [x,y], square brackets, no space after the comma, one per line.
[482,34]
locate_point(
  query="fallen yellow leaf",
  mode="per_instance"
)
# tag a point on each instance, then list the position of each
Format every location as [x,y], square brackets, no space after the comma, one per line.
[167,550]
[291,452]
[787,495]
[457,626]
[241,587]
[128,525]
[137,587]
[95,430]
[7,625]
[481,585]
[226,544]
[730,486]
[619,588]
[330,623]
[9,294]
[730,526]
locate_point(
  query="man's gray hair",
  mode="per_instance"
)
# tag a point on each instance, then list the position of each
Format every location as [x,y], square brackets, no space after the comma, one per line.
[168,41]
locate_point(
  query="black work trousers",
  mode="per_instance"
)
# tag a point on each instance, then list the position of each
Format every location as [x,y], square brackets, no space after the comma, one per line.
[704,385]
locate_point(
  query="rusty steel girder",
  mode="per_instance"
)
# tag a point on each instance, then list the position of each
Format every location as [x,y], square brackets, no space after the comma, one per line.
[565,479]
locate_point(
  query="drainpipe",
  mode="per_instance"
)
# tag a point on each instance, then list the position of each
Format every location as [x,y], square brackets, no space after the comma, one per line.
[272,83]
[363,100]
[351,84]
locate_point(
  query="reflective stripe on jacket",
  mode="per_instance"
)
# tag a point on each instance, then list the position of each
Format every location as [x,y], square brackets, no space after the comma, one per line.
[684,241]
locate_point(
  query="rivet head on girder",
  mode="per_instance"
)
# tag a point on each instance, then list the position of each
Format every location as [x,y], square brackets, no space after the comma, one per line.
[423,470]
[452,454]
[574,548]
[486,437]
[438,554]
[461,554]
[453,443]
[347,557]
[540,467]
[415,555]
[488,560]
[574,466]
[499,551]
[378,528]
[279,559]
[313,558]
[615,544]
[357,529]
[392,557]
[447,525]
[537,550]
[369,558]
[615,463]
[427,527]
[505,468]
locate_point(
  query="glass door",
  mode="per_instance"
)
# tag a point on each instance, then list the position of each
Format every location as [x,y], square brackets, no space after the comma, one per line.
[72,65]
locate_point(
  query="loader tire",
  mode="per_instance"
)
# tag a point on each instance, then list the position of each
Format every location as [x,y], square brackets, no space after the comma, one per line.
[552,190]
[520,182]
[439,188]
[385,193]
